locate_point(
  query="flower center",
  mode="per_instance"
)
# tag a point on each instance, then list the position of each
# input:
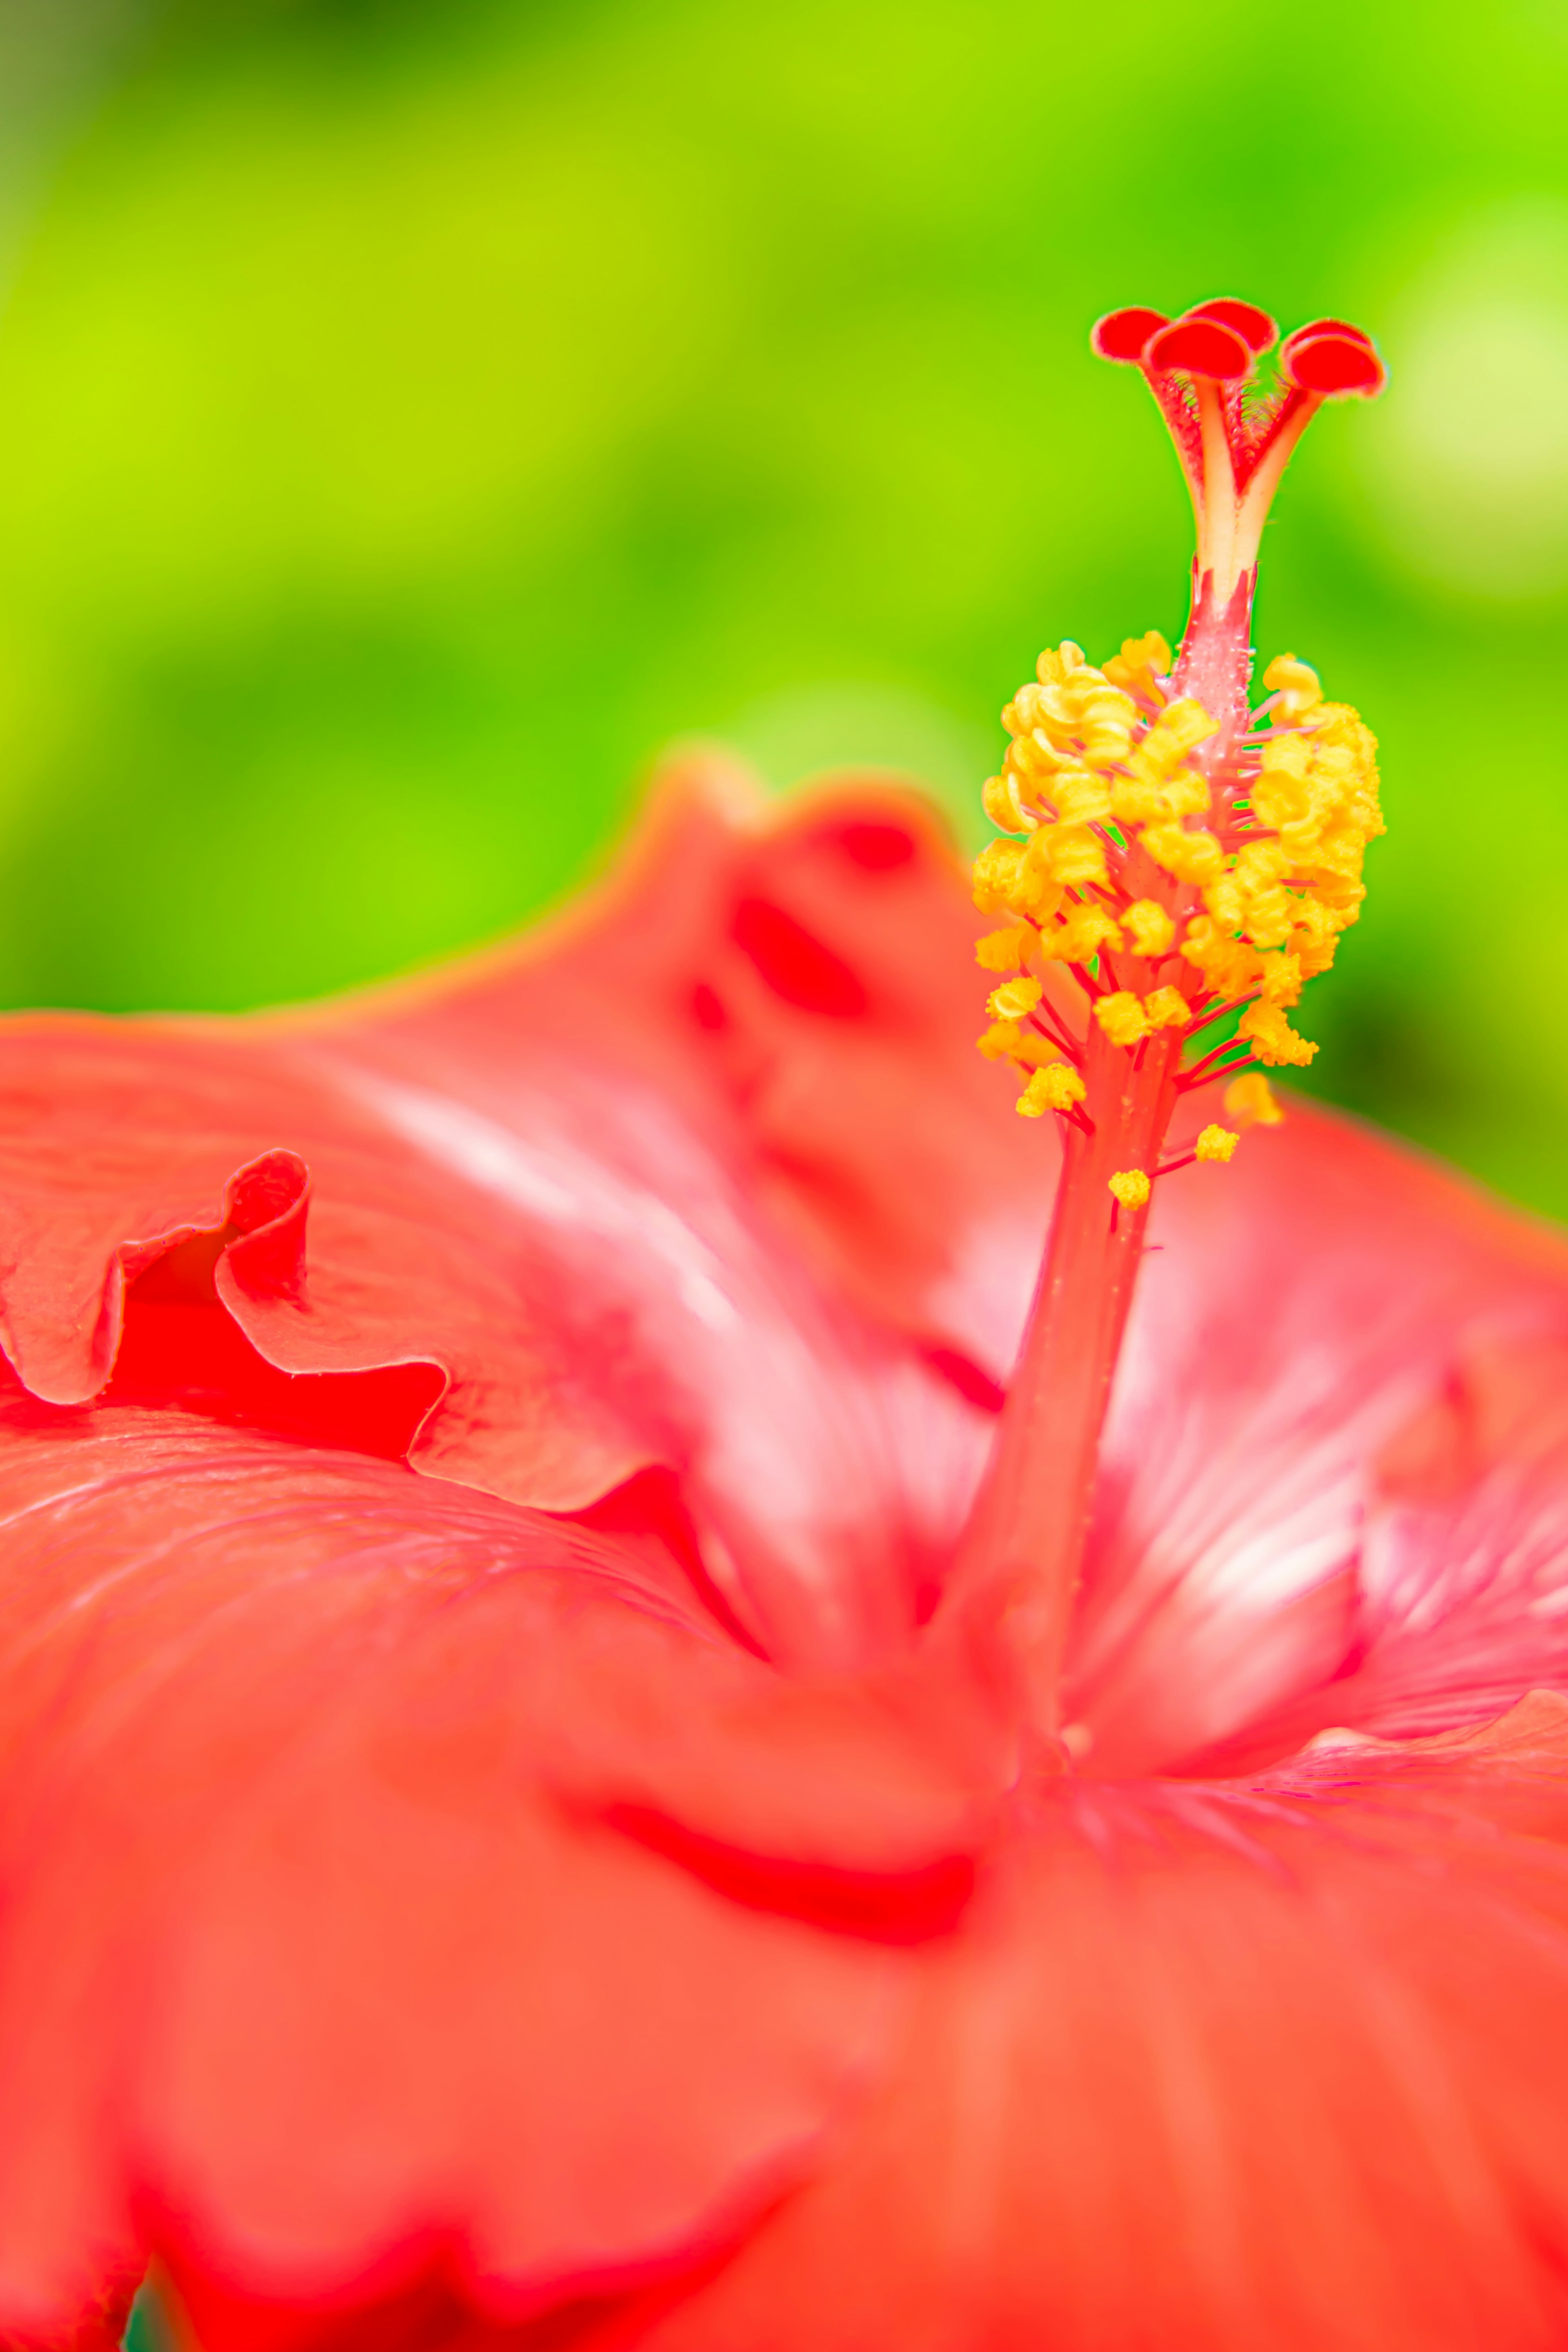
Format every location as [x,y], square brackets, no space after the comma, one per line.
[1173,866]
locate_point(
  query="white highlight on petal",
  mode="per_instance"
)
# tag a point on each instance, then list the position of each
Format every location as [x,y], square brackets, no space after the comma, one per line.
[821,1447]
[554,1179]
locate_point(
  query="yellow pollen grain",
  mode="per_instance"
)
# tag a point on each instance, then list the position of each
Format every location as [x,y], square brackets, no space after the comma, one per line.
[1250,1101]
[1004,804]
[1056,1088]
[1271,1038]
[1122,1017]
[1151,928]
[1216,1143]
[1082,933]
[1296,684]
[1189,857]
[1014,998]
[997,874]
[1140,662]
[1003,950]
[1000,1041]
[1080,798]
[1008,1041]
[1074,855]
[1165,1008]
[1131,1187]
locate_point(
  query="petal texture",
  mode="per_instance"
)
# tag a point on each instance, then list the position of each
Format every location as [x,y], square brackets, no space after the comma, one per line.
[1217,2067]
[657,1189]
[343,1944]
[1334,1462]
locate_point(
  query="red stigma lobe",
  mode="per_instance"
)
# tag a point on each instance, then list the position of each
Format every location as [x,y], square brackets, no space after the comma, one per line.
[1332,362]
[1256,329]
[1122,334]
[1234,438]
[1200,347]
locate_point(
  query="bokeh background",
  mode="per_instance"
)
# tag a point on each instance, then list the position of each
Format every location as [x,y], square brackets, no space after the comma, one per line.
[415,415]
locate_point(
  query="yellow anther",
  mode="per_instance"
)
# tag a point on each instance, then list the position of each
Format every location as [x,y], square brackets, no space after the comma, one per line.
[1131,1186]
[1271,1038]
[1000,1042]
[1296,684]
[1271,912]
[1000,798]
[1073,855]
[1135,801]
[1278,863]
[1006,1041]
[1180,729]
[1054,666]
[1282,977]
[1075,716]
[1231,968]
[1003,950]
[1082,933]
[1186,793]
[1035,891]
[1140,662]
[1259,863]
[1056,1088]
[1150,927]
[1216,1143]
[1139,800]
[1122,1017]
[1249,1100]
[1079,798]
[1014,998]
[995,873]
[1190,856]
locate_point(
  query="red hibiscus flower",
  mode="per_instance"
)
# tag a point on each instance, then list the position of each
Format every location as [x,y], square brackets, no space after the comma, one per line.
[575,1777]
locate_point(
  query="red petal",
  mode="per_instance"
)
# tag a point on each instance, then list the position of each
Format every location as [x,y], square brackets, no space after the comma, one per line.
[1122,334]
[546,1195]
[1200,347]
[797,1085]
[319,1946]
[1218,2067]
[1332,362]
[1298,1323]
[1256,329]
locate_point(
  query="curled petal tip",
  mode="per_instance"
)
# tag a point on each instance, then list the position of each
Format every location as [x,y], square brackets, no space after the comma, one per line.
[1200,346]
[1333,360]
[1258,331]
[1122,334]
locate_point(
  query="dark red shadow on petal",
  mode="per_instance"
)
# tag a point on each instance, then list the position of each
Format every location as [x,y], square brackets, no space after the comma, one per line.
[877,847]
[182,1351]
[972,1381]
[795,963]
[648,1507]
[880,1908]
[708,1008]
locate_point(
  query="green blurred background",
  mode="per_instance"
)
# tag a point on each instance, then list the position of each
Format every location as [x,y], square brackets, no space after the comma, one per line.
[416,414]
